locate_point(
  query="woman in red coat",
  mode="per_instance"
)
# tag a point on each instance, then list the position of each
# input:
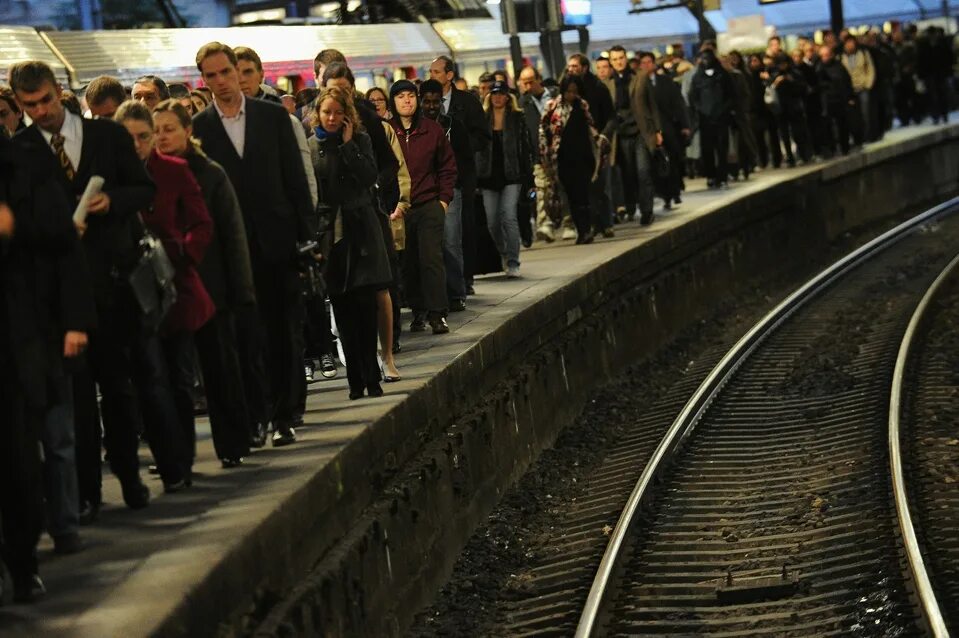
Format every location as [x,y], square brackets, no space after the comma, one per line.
[179,218]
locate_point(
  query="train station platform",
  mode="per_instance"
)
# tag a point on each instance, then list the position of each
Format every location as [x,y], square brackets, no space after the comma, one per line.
[236,551]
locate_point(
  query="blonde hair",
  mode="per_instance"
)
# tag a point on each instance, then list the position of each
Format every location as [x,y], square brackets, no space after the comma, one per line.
[179,111]
[341,97]
[512,106]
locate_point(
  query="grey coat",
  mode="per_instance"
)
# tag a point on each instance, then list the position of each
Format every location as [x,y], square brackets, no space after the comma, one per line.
[225,269]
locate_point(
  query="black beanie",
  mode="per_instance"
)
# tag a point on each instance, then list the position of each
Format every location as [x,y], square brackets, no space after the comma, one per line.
[401,85]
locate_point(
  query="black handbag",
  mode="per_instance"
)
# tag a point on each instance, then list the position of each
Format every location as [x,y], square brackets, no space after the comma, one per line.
[661,165]
[151,281]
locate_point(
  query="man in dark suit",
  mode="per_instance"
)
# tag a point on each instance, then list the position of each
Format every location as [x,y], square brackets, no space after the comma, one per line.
[674,119]
[463,106]
[121,352]
[36,234]
[254,143]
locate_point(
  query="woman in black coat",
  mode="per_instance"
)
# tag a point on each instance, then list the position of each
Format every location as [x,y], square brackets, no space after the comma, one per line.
[227,277]
[357,265]
[568,150]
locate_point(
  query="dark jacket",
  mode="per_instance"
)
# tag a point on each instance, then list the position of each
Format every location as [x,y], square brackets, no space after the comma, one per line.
[110,241]
[345,175]
[467,109]
[225,270]
[576,149]
[835,85]
[269,179]
[641,117]
[429,158]
[792,91]
[673,113]
[44,285]
[458,135]
[533,117]
[517,154]
[712,96]
[180,220]
[600,100]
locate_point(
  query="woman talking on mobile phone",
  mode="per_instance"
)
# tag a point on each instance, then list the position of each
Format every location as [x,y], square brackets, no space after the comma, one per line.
[357,265]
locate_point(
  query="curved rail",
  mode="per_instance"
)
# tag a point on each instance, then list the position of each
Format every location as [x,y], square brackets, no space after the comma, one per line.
[684,424]
[928,603]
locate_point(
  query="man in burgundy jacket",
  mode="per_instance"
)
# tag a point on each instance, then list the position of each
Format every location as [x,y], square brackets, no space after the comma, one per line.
[432,166]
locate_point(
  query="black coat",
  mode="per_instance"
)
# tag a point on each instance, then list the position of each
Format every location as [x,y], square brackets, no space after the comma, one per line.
[599,99]
[712,97]
[44,285]
[110,241]
[269,179]
[345,175]
[835,85]
[467,109]
[673,114]
[225,269]
[533,117]
[459,137]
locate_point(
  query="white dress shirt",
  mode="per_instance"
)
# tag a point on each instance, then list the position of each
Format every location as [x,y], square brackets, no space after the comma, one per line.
[235,126]
[72,132]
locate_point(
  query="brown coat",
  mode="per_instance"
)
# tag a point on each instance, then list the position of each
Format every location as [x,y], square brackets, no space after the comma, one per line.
[643,105]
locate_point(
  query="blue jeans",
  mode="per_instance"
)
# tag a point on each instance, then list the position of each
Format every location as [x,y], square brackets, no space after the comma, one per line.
[502,222]
[60,465]
[453,248]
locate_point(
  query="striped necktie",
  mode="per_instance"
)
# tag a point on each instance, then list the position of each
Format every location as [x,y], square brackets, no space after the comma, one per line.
[56,141]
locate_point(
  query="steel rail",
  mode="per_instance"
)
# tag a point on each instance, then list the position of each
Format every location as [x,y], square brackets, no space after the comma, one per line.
[928,603]
[685,423]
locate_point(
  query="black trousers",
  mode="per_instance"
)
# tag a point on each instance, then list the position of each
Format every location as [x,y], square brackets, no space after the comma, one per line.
[424,273]
[467,184]
[576,183]
[134,382]
[836,128]
[356,321]
[281,315]
[21,479]
[318,330]
[225,396]
[714,142]
[89,437]
[793,128]
[251,349]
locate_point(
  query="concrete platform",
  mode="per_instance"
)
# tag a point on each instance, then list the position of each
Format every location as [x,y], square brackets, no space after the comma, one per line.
[237,537]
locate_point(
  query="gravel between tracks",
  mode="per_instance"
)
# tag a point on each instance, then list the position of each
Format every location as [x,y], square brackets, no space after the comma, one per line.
[493,571]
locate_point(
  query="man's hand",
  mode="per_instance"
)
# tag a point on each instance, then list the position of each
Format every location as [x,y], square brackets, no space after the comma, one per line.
[659,138]
[398,213]
[7,222]
[99,204]
[74,343]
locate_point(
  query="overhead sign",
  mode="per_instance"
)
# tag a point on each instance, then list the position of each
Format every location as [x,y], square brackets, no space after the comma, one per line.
[577,13]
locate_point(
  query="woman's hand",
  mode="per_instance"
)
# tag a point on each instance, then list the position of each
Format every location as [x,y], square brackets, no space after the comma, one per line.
[398,213]
[347,130]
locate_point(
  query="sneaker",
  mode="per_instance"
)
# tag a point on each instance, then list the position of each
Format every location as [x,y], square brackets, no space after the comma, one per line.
[569,233]
[327,366]
[457,305]
[512,272]
[545,232]
[309,370]
[284,436]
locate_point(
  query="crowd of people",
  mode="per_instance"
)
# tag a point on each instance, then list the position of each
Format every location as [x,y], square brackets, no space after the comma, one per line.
[158,239]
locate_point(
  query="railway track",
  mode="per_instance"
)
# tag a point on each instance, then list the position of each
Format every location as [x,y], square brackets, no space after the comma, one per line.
[768,508]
